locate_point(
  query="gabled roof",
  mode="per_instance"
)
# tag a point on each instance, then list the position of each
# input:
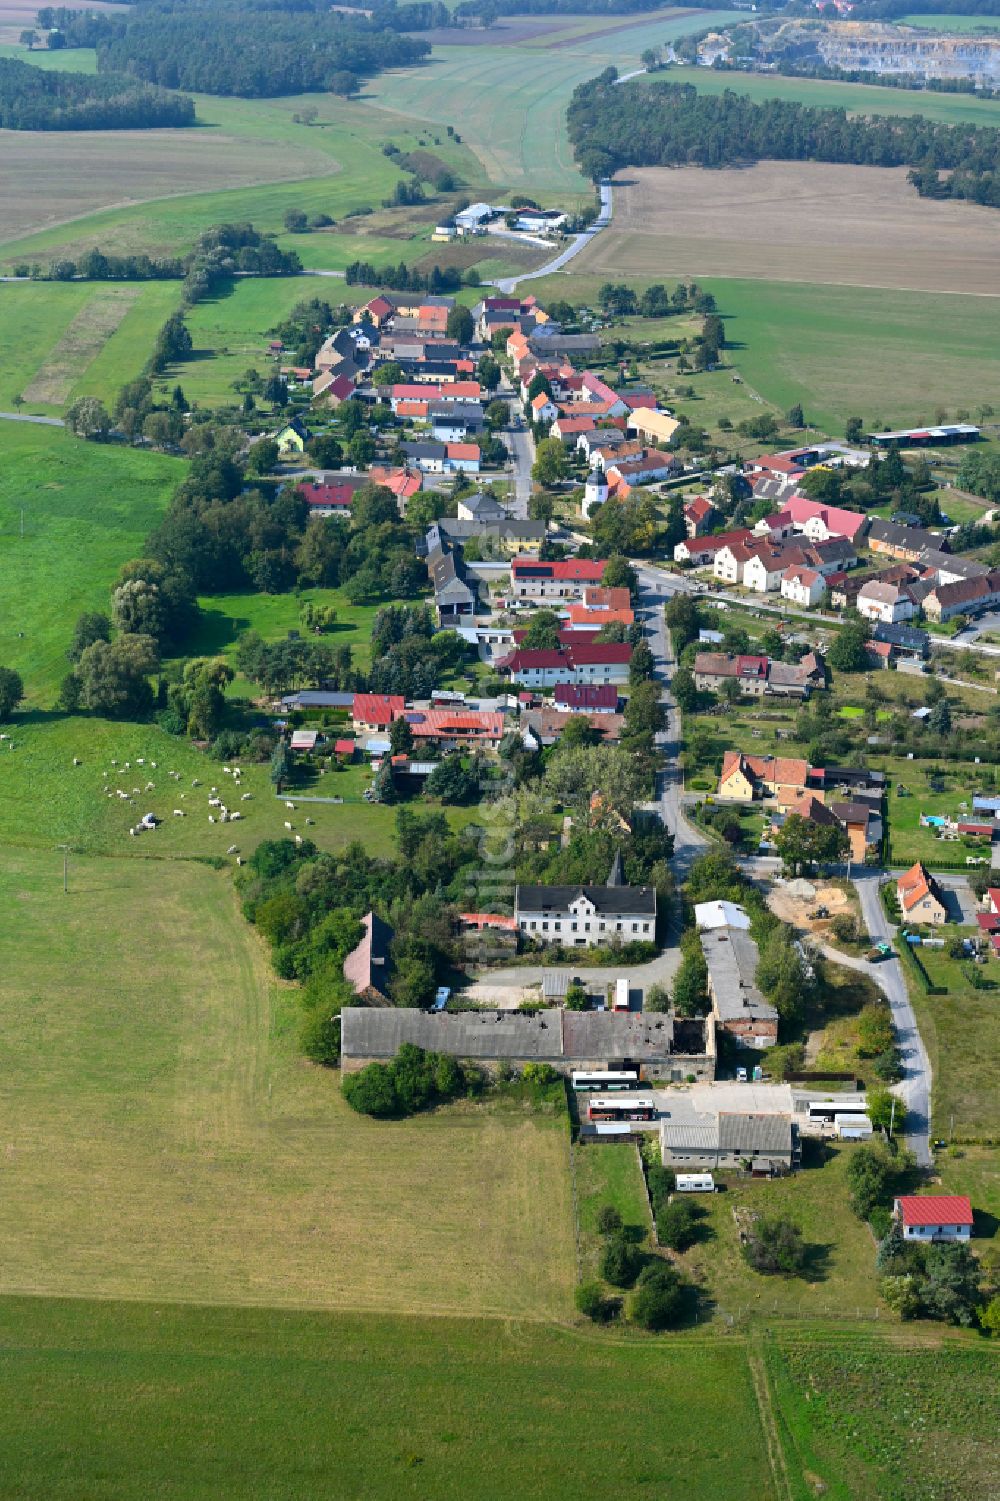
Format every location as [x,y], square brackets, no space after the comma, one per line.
[378,708]
[915,884]
[935,1209]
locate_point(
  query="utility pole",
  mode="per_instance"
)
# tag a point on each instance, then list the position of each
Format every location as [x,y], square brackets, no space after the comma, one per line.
[65,850]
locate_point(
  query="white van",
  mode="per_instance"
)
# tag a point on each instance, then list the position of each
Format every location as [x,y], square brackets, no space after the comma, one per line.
[694,1183]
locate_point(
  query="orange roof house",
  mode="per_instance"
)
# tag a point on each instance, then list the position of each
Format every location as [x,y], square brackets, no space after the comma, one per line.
[919,896]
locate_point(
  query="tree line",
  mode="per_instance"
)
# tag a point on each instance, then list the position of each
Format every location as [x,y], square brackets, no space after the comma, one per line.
[280,51]
[405,278]
[33,99]
[674,125]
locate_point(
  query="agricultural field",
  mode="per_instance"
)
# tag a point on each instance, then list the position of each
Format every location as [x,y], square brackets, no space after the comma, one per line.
[877,354]
[285,1404]
[699,223]
[156,190]
[505,99]
[164,1138]
[61,340]
[85,509]
[973,24]
[856,98]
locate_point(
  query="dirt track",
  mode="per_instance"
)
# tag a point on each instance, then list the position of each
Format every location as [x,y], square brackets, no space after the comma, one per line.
[797,221]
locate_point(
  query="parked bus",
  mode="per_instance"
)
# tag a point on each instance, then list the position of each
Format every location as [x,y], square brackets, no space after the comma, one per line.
[828,1110]
[602,1109]
[626,1078]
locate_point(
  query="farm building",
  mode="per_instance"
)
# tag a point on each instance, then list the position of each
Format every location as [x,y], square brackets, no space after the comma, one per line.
[566,1040]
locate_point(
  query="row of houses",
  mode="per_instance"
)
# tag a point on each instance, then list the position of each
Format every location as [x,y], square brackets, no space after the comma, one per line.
[852,797]
[759,676]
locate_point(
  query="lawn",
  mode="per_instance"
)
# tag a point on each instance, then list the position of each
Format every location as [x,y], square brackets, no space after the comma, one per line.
[129,1401]
[61,340]
[164,1139]
[961,1031]
[841,1279]
[849,351]
[910,841]
[225,617]
[942,22]
[608,1173]
[86,509]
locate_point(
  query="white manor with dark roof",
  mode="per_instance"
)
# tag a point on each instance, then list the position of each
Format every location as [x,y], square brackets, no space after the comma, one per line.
[587,916]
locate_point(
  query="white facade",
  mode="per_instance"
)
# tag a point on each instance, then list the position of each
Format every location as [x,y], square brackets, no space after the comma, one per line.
[888,611]
[581,926]
[726,566]
[802,587]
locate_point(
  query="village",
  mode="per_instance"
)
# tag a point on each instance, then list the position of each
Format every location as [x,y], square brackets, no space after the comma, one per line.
[558,644]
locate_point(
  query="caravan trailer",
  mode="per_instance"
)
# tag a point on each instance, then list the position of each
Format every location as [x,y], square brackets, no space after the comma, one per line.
[621,995]
[694,1183]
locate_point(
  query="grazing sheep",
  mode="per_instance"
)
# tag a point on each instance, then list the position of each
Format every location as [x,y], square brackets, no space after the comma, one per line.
[298,839]
[211,818]
[223,816]
[239,859]
[178,812]
[215,789]
[153,765]
[150,786]
[215,802]
[232,849]
[113,761]
[195,782]
[234,816]
[310,822]
[76,761]
[288,826]
[245,796]
[139,761]
[290,805]
[226,770]
[132,833]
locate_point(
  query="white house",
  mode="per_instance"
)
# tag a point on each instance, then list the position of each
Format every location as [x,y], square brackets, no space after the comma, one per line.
[763,572]
[729,562]
[802,586]
[934,1216]
[887,603]
[543,409]
[586,916]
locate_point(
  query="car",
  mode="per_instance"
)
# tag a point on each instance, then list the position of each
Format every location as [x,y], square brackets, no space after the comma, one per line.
[441,998]
[741,1076]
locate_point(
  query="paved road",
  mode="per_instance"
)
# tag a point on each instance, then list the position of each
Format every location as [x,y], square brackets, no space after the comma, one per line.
[23,417]
[915,1087]
[508,283]
[689,842]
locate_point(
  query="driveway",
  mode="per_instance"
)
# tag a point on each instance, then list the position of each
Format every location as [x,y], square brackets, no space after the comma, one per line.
[915,1087]
[23,417]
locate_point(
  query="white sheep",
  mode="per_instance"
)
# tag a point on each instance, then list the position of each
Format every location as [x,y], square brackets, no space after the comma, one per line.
[234,816]
[195,782]
[139,761]
[232,849]
[288,826]
[223,816]
[150,786]
[132,832]
[215,789]
[153,765]
[211,818]
[290,805]
[178,812]
[76,761]
[226,770]
[113,761]
[245,797]
[239,859]
[298,839]
[215,802]
[310,822]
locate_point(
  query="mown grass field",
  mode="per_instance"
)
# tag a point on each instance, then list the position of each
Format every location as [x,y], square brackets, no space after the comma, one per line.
[608,1173]
[505,101]
[87,508]
[856,98]
[257,1403]
[62,340]
[225,617]
[944,22]
[164,1139]
[853,351]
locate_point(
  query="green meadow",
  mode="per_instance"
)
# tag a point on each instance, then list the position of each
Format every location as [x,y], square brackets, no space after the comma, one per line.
[55,343]
[85,509]
[945,22]
[842,351]
[856,98]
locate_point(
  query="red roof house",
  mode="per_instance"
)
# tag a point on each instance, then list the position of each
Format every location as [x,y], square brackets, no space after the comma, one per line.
[934,1216]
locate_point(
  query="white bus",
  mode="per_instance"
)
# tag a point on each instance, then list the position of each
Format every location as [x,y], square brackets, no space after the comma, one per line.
[642,1108]
[626,1078]
[828,1110]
